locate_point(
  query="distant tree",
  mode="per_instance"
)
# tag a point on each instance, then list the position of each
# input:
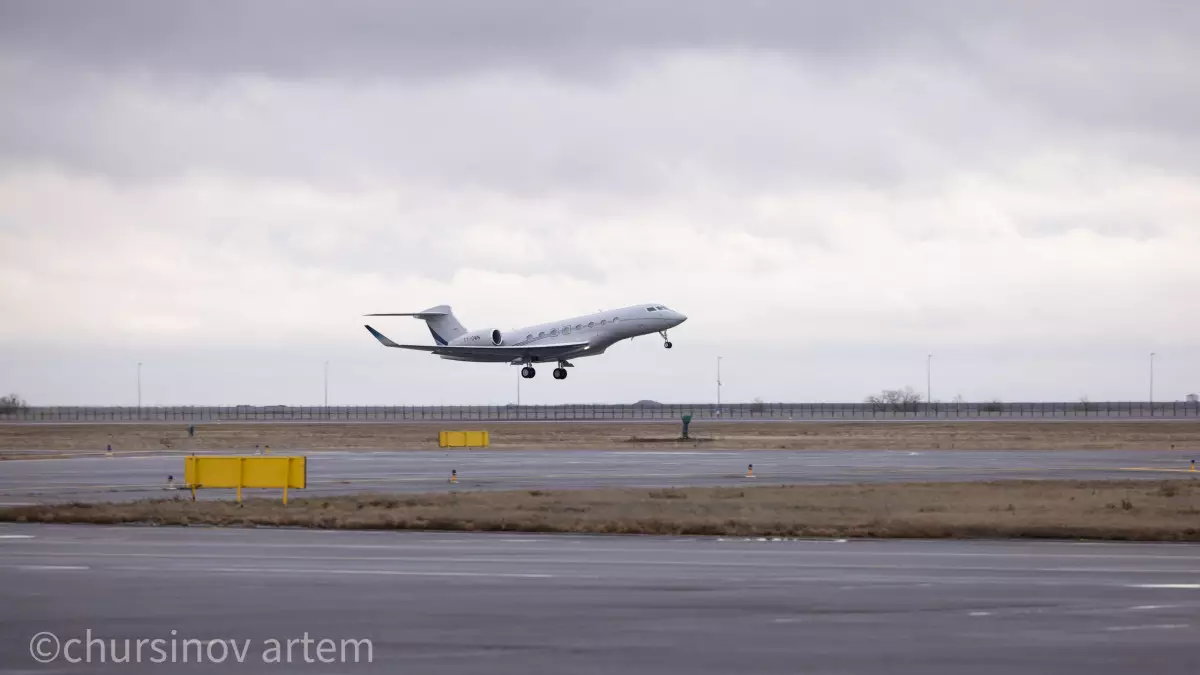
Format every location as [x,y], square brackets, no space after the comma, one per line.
[902,399]
[12,403]
[903,396]
[757,406]
[995,405]
[958,398]
[1085,403]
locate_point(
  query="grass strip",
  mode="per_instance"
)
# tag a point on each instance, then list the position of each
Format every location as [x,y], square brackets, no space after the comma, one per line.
[1095,510]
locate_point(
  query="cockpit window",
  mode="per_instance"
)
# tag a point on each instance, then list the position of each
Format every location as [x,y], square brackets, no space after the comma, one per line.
[662,308]
[651,309]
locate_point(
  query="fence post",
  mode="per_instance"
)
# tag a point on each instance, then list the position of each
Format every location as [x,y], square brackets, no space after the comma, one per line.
[287,478]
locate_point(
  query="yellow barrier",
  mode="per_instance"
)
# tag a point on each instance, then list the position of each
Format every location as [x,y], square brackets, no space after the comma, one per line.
[246,472]
[463,439]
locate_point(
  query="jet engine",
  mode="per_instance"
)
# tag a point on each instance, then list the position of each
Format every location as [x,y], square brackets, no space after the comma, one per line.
[497,338]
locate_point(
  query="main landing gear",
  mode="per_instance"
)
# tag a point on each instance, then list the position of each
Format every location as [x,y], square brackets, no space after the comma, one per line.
[666,342]
[560,373]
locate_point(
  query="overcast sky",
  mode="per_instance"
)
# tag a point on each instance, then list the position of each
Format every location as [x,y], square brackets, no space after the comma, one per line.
[830,191]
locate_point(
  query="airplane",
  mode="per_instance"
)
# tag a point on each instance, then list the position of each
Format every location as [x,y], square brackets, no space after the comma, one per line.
[559,341]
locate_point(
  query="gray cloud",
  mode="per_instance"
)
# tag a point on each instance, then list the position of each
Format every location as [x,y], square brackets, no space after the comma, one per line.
[381,37]
[610,97]
[888,175]
[294,38]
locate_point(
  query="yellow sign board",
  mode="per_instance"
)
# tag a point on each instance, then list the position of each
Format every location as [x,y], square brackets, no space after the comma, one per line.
[463,439]
[216,471]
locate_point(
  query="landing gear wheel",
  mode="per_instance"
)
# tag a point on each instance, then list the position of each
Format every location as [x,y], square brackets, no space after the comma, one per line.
[560,373]
[667,344]
[528,372]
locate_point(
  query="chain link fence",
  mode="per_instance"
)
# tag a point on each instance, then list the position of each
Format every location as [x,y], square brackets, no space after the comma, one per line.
[589,412]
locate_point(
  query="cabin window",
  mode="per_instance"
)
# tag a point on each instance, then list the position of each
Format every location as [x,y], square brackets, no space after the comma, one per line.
[578,326]
[542,334]
[591,324]
[566,330]
[603,321]
[553,332]
[529,337]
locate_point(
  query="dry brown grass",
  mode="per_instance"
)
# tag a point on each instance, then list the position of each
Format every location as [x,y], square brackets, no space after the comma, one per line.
[1114,510]
[20,440]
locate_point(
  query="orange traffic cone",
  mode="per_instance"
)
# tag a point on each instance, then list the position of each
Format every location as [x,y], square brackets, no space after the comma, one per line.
[750,471]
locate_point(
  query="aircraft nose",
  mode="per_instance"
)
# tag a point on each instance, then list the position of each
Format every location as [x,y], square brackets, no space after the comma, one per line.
[680,317]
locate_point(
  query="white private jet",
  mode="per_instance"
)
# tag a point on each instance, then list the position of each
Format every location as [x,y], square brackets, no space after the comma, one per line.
[558,341]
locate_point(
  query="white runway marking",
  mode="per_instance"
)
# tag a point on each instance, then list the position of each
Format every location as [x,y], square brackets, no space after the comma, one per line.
[16,536]
[51,568]
[1180,586]
[565,561]
[405,573]
[1160,626]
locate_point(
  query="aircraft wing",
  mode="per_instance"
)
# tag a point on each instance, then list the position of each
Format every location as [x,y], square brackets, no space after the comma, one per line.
[546,352]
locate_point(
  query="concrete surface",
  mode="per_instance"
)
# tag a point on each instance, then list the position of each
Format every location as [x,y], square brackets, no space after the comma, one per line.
[123,478]
[443,603]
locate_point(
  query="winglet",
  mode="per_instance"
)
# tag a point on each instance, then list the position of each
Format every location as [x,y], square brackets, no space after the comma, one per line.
[383,339]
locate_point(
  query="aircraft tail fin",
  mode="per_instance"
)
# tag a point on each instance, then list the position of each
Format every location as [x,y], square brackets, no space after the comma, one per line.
[441,322]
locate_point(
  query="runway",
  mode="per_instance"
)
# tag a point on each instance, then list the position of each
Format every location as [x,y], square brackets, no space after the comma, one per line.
[139,477]
[442,603]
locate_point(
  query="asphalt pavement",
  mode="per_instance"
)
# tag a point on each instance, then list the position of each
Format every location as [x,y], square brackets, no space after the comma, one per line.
[139,477]
[490,603]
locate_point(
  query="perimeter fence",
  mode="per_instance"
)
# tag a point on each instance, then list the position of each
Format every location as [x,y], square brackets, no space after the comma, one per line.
[590,412]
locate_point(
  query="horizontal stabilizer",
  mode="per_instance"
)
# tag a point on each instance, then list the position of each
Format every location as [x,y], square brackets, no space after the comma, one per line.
[440,310]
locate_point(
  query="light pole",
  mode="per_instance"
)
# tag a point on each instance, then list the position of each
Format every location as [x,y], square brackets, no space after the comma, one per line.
[718,385]
[928,382]
[139,389]
[326,385]
[1152,384]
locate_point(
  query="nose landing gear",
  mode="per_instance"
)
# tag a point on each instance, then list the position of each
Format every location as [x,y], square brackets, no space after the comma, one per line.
[666,341]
